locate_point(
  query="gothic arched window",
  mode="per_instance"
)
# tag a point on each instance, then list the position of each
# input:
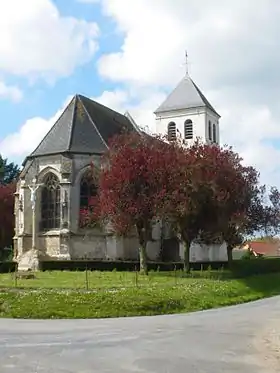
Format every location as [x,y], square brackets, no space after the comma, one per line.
[50,203]
[88,190]
[188,129]
[214,133]
[209,131]
[171,131]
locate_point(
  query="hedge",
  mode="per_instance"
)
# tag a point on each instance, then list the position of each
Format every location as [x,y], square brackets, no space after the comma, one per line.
[6,267]
[82,265]
[240,268]
[252,267]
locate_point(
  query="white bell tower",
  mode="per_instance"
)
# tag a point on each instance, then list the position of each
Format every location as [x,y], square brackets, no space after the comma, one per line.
[186,113]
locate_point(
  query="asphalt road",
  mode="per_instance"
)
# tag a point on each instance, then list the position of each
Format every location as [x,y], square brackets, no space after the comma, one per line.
[236,339]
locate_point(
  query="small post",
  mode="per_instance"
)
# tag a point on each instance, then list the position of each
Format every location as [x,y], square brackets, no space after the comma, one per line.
[136,277]
[175,274]
[15,276]
[87,287]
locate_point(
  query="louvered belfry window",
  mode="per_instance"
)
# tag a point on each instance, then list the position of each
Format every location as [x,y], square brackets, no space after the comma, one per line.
[188,129]
[210,130]
[171,131]
[214,133]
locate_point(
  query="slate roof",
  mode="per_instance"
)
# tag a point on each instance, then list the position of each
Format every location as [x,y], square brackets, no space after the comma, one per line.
[84,127]
[185,96]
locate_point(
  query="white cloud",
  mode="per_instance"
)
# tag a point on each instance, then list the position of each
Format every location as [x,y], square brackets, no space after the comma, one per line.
[38,42]
[19,144]
[10,92]
[233,56]
[89,1]
[224,42]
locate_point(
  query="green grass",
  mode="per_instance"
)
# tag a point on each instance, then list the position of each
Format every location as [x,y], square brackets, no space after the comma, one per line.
[161,294]
[102,280]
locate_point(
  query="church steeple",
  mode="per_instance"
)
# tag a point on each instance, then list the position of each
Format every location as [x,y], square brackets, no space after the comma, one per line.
[188,112]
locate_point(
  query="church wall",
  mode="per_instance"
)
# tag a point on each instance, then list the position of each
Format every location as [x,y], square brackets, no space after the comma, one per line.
[92,246]
[206,253]
[197,116]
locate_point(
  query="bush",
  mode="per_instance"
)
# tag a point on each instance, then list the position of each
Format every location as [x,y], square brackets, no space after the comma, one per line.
[258,266]
[7,267]
[239,268]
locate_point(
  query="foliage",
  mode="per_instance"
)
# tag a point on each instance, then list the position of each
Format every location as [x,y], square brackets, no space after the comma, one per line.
[134,185]
[268,212]
[191,295]
[204,190]
[212,193]
[260,216]
[7,215]
[8,266]
[121,265]
[9,172]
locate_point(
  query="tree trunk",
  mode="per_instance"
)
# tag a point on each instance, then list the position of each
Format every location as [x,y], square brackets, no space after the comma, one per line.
[143,260]
[187,267]
[229,255]
[142,235]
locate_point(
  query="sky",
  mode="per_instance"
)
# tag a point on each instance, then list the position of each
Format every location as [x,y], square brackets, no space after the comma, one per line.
[129,54]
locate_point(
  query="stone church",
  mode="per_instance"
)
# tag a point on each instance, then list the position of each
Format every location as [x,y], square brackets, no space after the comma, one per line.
[54,187]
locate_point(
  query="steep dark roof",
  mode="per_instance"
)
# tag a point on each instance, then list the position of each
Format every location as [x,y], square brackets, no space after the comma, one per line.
[185,96]
[84,127]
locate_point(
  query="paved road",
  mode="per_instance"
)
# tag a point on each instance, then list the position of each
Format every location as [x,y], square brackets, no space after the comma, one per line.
[236,339]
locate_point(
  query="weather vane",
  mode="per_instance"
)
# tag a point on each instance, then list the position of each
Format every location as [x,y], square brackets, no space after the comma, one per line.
[186,62]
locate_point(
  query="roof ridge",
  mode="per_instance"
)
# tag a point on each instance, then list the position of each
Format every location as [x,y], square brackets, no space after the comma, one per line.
[101,105]
[203,97]
[91,120]
[64,110]
[73,119]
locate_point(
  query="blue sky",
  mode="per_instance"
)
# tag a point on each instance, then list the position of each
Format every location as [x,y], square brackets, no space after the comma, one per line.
[129,54]
[44,98]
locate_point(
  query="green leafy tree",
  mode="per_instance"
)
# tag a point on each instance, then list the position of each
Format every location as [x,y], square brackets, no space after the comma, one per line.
[9,171]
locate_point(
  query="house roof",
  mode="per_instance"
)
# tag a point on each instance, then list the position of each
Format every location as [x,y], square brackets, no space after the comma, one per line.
[265,248]
[186,95]
[84,127]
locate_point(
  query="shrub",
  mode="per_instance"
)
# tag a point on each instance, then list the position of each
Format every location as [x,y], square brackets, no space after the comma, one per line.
[6,267]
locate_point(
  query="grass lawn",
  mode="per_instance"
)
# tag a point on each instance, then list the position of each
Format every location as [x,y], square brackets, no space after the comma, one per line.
[102,280]
[113,294]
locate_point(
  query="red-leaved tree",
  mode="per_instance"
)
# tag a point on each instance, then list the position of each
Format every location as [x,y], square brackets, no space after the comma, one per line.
[134,185]
[212,191]
[6,216]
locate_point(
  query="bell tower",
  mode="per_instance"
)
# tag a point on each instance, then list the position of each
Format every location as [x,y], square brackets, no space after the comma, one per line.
[186,113]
